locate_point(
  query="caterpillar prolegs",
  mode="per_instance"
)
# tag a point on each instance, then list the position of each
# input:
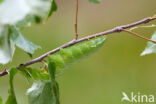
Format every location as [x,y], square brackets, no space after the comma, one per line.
[75,53]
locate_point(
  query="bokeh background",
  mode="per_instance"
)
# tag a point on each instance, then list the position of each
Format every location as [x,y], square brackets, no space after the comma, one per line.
[116,67]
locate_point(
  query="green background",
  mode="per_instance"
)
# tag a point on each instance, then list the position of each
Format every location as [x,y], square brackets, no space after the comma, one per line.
[116,67]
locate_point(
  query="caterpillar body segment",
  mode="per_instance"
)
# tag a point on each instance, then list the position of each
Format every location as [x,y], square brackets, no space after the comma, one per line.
[75,53]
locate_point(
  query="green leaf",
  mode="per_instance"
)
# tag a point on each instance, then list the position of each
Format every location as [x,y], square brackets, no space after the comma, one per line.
[22,42]
[12,98]
[27,21]
[53,8]
[44,76]
[41,93]
[95,1]
[55,91]
[1,101]
[38,74]
[151,47]
[24,71]
[45,91]
[6,46]
[51,69]
[35,74]
[19,13]
[14,11]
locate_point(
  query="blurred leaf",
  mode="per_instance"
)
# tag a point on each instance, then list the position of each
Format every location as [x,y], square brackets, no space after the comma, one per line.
[22,42]
[45,91]
[51,69]
[35,74]
[1,101]
[53,8]
[6,46]
[30,55]
[1,1]
[55,91]
[14,11]
[26,22]
[41,93]
[151,47]
[44,76]
[24,71]
[12,99]
[95,1]
[38,19]
[17,12]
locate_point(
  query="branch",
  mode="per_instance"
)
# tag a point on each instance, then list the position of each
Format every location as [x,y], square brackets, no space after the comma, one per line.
[76,19]
[138,35]
[117,29]
[5,72]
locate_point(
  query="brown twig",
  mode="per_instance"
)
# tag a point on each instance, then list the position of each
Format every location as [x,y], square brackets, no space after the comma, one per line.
[5,72]
[138,35]
[117,29]
[76,19]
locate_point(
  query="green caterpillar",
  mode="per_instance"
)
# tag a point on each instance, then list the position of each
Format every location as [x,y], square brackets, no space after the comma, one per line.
[75,53]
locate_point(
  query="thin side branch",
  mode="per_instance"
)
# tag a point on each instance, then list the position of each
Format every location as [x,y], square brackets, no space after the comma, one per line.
[76,19]
[138,35]
[117,29]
